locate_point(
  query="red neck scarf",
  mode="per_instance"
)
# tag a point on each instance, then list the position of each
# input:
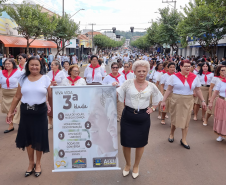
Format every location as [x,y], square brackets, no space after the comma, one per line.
[55,75]
[5,73]
[94,70]
[205,78]
[131,71]
[73,81]
[190,78]
[115,77]
[159,71]
[125,73]
[170,74]
[222,78]
[21,68]
[196,70]
[164,71]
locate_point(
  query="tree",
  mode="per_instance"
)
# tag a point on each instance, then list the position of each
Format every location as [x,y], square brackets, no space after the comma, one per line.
[31,21]
[102,42]
[167,32]
[153,34]
[141,43]
[205,21]
[66,29]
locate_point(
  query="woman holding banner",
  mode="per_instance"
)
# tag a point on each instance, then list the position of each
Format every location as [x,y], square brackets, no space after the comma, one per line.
[56,75]
[33,130]
[135,121]
[73,79]
[94,73]
[127,73]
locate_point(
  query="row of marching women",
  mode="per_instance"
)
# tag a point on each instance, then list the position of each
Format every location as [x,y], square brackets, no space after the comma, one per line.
[173,94]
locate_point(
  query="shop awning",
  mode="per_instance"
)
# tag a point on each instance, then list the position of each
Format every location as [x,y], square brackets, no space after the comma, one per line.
[10,41]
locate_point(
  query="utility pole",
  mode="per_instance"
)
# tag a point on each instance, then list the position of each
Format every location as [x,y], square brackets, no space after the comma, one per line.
[62,16]
[92,33]
[170,1]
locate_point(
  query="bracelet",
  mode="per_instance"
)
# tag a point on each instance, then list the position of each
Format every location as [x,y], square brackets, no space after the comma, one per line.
[203,101]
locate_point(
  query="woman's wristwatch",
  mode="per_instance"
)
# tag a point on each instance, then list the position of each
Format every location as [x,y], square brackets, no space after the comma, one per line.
[153,109]
[203,101]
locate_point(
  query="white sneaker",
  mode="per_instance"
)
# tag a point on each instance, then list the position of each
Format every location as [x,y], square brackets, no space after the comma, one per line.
[204,124]
[220,139]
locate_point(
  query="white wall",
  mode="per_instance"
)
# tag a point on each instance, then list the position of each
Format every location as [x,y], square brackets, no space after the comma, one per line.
[54,51]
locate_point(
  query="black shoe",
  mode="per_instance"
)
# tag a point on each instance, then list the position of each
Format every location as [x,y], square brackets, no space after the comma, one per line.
[37,174]
[185,146]
[7,131]
[171,140]
[29,173]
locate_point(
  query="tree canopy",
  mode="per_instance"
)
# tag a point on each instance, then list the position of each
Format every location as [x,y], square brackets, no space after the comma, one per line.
[32,22]
[205,21]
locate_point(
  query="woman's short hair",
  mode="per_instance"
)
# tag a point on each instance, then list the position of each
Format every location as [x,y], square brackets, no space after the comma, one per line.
[142,63]
[157,66]
[23,55]
[171,64]
[165,64]
[114,63]
[217,71]
[11,60]
[93,56]
[67,62]
[201,70]
[71,67]
[57,63]
[184,62]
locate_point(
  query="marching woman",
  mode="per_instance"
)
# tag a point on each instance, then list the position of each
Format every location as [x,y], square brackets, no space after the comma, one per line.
[163,87]
[219,125]
[205,77]
[155,73]
[66,67]
[9,82]
[94,73]
[127,73]
[56,75]
[220,75]
[73,79]
[164,71]
[182,85]
[135,121]
[115,79]
[33,128]
[22,59]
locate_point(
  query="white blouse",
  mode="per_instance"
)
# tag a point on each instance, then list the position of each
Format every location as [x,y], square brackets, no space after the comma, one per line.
[195,72]
[23,70]
[58,78]
[209,78]
[164,80]
[34,92]
[79,82]
[215,81]
[108,80]
[158,79]
[66,72]
[120,70]
[99,74]
[128,76]
[138,100]
[221,87]
[183,89]
[154,75]
[13,80]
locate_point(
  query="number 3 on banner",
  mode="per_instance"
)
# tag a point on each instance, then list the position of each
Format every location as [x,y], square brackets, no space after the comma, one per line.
[67,97]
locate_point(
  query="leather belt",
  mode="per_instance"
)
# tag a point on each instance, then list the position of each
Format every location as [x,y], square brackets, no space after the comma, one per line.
[206,85]
[223,98]
[33,107]
[135,111]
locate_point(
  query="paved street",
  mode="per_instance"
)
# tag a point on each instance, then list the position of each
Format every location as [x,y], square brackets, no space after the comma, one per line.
[163,163]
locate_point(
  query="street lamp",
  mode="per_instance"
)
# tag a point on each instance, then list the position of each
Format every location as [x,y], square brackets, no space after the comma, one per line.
[76,12]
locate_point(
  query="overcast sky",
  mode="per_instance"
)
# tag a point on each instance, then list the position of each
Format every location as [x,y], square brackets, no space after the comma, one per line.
[106,14]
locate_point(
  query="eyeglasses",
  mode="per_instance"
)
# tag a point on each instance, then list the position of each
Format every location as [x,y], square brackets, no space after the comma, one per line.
[20,58]
[75,71]
[114,67]
[126,66]
[7,64]
[187,66]
[222,70]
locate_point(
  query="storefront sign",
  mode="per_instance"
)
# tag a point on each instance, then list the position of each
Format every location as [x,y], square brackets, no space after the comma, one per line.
[85,128]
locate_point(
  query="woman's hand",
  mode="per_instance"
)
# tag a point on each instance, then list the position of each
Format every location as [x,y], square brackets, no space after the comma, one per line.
[204,105]
[48,107]
[163,105]
[9,117]
[149,111]
[210,105]
[115,83]
[53,83]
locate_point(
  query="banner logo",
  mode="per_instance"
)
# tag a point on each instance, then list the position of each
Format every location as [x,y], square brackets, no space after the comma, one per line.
[104,162]
[79,163]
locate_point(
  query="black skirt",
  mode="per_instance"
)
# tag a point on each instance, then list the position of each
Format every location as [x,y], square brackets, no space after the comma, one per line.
[135,128]
[33,128]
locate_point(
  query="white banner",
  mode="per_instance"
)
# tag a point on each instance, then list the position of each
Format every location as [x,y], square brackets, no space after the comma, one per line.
[85,136]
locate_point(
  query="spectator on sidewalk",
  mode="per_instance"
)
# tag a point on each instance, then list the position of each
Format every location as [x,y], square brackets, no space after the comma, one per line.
[50,59]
